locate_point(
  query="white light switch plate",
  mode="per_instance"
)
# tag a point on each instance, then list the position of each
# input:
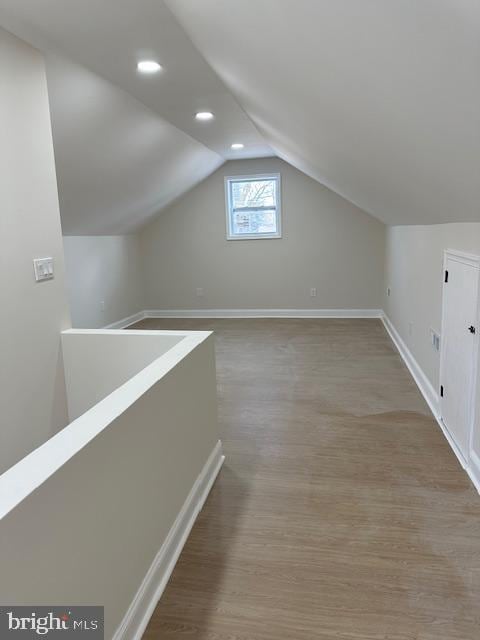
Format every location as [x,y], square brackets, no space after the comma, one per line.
[43,268]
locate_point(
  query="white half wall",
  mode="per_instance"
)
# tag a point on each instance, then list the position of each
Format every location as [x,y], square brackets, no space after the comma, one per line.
[100,512]
[104,277]
[32,388]
[327,244]
[414,274]
[99,361]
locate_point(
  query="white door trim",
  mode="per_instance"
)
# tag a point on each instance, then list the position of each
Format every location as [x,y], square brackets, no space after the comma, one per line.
[474,262]
[461,256]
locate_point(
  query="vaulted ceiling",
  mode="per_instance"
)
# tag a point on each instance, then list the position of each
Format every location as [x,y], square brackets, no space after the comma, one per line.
[126,145]
[377,99]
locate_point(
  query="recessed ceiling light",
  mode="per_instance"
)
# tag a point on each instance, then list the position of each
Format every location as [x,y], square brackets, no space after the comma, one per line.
[204,115]
[237,145]
[148,66]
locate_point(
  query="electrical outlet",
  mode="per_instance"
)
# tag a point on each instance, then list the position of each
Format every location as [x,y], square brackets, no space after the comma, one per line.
[388,291]
[102,305]
[199,292]
[313,292]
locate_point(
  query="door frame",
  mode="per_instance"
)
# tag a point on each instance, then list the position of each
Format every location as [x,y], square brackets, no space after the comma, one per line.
[473,261]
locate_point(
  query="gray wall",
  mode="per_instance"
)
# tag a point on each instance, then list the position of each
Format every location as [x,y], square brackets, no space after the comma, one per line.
[103,269]
[32,387]
[91,530]
[413,271]
[327,243]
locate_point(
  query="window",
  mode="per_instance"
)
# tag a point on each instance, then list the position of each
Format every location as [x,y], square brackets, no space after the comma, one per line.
[253,207]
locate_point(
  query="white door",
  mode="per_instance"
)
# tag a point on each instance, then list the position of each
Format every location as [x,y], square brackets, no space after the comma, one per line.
[459,346]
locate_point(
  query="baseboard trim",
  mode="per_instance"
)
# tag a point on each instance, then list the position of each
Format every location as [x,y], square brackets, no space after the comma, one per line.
[150,591]
[263,313]
[472,467]
[474,470]
[244,313]
[423,383]
[453,445]
[125,322]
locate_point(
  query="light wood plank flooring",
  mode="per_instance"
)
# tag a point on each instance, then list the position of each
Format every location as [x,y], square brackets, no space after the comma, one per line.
[340,513]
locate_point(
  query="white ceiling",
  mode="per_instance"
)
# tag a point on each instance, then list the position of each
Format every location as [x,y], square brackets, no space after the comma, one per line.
[126,145]
[378,99]
[118,164]
[110,36]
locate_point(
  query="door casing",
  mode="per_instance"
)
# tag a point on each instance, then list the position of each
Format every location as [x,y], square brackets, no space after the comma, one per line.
[473,404]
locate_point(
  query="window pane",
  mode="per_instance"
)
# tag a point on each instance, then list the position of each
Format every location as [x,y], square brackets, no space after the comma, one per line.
[253,207]
[254,222]
[254,193]
[241,223]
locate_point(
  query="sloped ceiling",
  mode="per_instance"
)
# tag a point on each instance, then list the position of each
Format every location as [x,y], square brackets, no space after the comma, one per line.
[377,99]
[118,164]
[126,145]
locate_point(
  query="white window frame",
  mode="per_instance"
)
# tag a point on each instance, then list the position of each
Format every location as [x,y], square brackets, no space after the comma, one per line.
[278,208]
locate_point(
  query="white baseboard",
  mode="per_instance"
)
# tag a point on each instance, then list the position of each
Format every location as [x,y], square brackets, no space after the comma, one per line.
[263,313]
[125,322]
[473,470]
[472,467]
[423,383]
[140,611]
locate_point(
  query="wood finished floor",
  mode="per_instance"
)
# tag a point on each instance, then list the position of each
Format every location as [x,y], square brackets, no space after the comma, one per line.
[340,513]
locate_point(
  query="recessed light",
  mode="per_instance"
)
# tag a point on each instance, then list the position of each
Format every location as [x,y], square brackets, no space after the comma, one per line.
[204,115]
[237,145]
[148,66]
